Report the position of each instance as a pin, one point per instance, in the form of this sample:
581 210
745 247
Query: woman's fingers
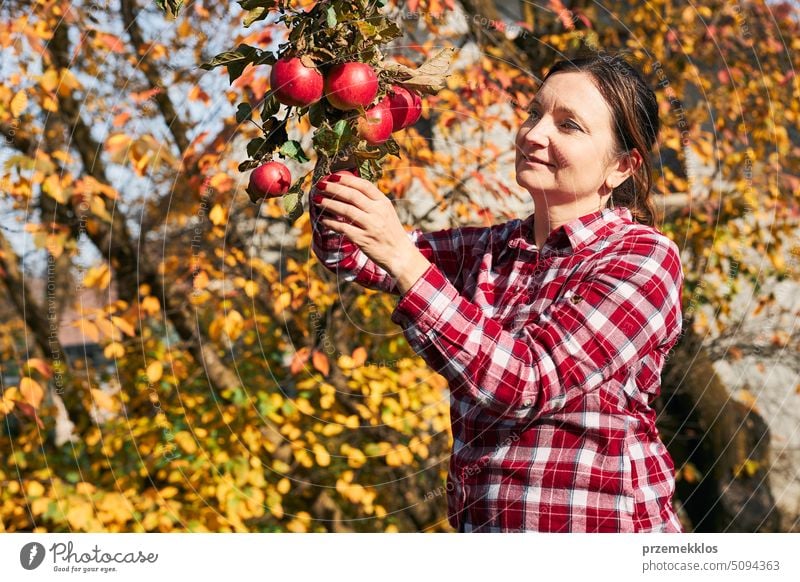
365 187
342 209
350 230
346 194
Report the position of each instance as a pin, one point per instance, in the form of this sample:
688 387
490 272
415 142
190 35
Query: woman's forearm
407 270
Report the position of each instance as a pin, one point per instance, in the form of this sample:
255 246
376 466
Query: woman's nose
536 135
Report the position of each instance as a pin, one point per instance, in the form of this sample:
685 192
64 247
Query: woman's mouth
535 161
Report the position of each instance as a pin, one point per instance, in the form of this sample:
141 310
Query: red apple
406 107
348 171
294 83
351 85
269 180
376 125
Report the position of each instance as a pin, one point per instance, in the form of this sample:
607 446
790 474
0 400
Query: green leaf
253 4
235 60
366 170
331 16
390 147
254 146
266 58
243 52
390 32
331 140
248 165
243 112
366 29
293 204
235 71
316 113
342 128
293 149
270 108
170 7
276 134
257 9
255 15
221 59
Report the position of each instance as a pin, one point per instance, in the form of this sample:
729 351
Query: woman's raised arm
453 251
626 308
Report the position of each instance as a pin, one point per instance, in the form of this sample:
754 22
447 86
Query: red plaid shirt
553 358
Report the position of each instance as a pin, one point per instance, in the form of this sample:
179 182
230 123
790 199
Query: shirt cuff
426 301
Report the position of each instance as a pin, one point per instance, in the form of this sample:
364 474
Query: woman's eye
569 124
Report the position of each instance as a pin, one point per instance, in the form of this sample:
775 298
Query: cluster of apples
346 86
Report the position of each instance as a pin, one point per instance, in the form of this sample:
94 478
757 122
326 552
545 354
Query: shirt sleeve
627 306
453 251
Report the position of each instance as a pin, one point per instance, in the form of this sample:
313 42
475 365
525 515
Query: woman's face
564 151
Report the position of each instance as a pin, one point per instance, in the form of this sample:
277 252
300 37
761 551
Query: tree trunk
44 331
725 441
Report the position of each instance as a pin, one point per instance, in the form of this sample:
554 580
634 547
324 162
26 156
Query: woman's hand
374 226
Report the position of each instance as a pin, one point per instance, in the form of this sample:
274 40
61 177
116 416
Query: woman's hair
634 115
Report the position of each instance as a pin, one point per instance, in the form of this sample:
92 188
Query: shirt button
576 298
527 403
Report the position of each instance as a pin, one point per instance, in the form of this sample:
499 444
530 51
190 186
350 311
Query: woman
551 331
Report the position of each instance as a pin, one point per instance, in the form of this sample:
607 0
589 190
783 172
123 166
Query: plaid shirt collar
572 236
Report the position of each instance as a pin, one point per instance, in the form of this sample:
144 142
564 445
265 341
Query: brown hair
634 114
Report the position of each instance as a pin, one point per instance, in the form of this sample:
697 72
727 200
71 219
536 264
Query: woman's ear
623 168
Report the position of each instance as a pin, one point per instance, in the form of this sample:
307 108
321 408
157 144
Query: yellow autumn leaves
231 324
154 371
18 103
50 84
30 393
144 154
